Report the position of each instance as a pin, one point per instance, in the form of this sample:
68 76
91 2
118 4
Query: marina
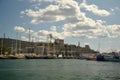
59 40
54 50
111 57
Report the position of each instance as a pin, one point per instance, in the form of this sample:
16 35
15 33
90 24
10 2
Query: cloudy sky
93 22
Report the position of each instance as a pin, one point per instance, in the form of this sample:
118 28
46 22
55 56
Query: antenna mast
29 35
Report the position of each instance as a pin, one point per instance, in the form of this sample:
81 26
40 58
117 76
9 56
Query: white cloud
37 36
112 10
24 38
114 30
53 28
22 12
97 29
86 43
29 31
19 29
43 33
63 10
32 1
91 29
94 9
53 31
77 23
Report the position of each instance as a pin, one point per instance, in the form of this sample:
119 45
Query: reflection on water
58 69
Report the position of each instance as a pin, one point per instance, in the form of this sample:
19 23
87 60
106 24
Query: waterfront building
39 50
57 48
29 50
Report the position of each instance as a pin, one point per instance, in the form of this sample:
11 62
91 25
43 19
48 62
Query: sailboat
16 55
2 56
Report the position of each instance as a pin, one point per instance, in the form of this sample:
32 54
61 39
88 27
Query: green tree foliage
5 50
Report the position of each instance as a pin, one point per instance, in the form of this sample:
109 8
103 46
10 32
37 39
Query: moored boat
39 57
3 57
114 57
100 57
17 56
91 57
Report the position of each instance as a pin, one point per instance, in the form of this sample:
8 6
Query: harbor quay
11 48
16 49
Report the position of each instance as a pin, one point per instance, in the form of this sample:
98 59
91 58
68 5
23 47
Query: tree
5 50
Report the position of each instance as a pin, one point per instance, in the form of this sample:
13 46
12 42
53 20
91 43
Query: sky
92 22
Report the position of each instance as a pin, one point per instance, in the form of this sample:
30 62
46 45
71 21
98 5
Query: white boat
112 57
3 57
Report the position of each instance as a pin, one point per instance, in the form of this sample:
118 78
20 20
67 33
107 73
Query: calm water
58 69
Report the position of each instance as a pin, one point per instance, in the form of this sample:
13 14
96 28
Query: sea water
58 69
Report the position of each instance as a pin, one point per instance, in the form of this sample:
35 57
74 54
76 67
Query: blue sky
90 22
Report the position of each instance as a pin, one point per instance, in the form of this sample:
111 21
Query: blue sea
58 69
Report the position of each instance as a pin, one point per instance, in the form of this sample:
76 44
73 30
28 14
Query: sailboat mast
99 47
16 42
19 43
4 35
29 42
29 35
1 45
12 47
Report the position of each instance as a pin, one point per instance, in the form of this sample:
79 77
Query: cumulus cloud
29 31
43 33
114 30
92 31
35 36
19 29
77 23
53 28
63 10
79 29
94 9
86 43
24 38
